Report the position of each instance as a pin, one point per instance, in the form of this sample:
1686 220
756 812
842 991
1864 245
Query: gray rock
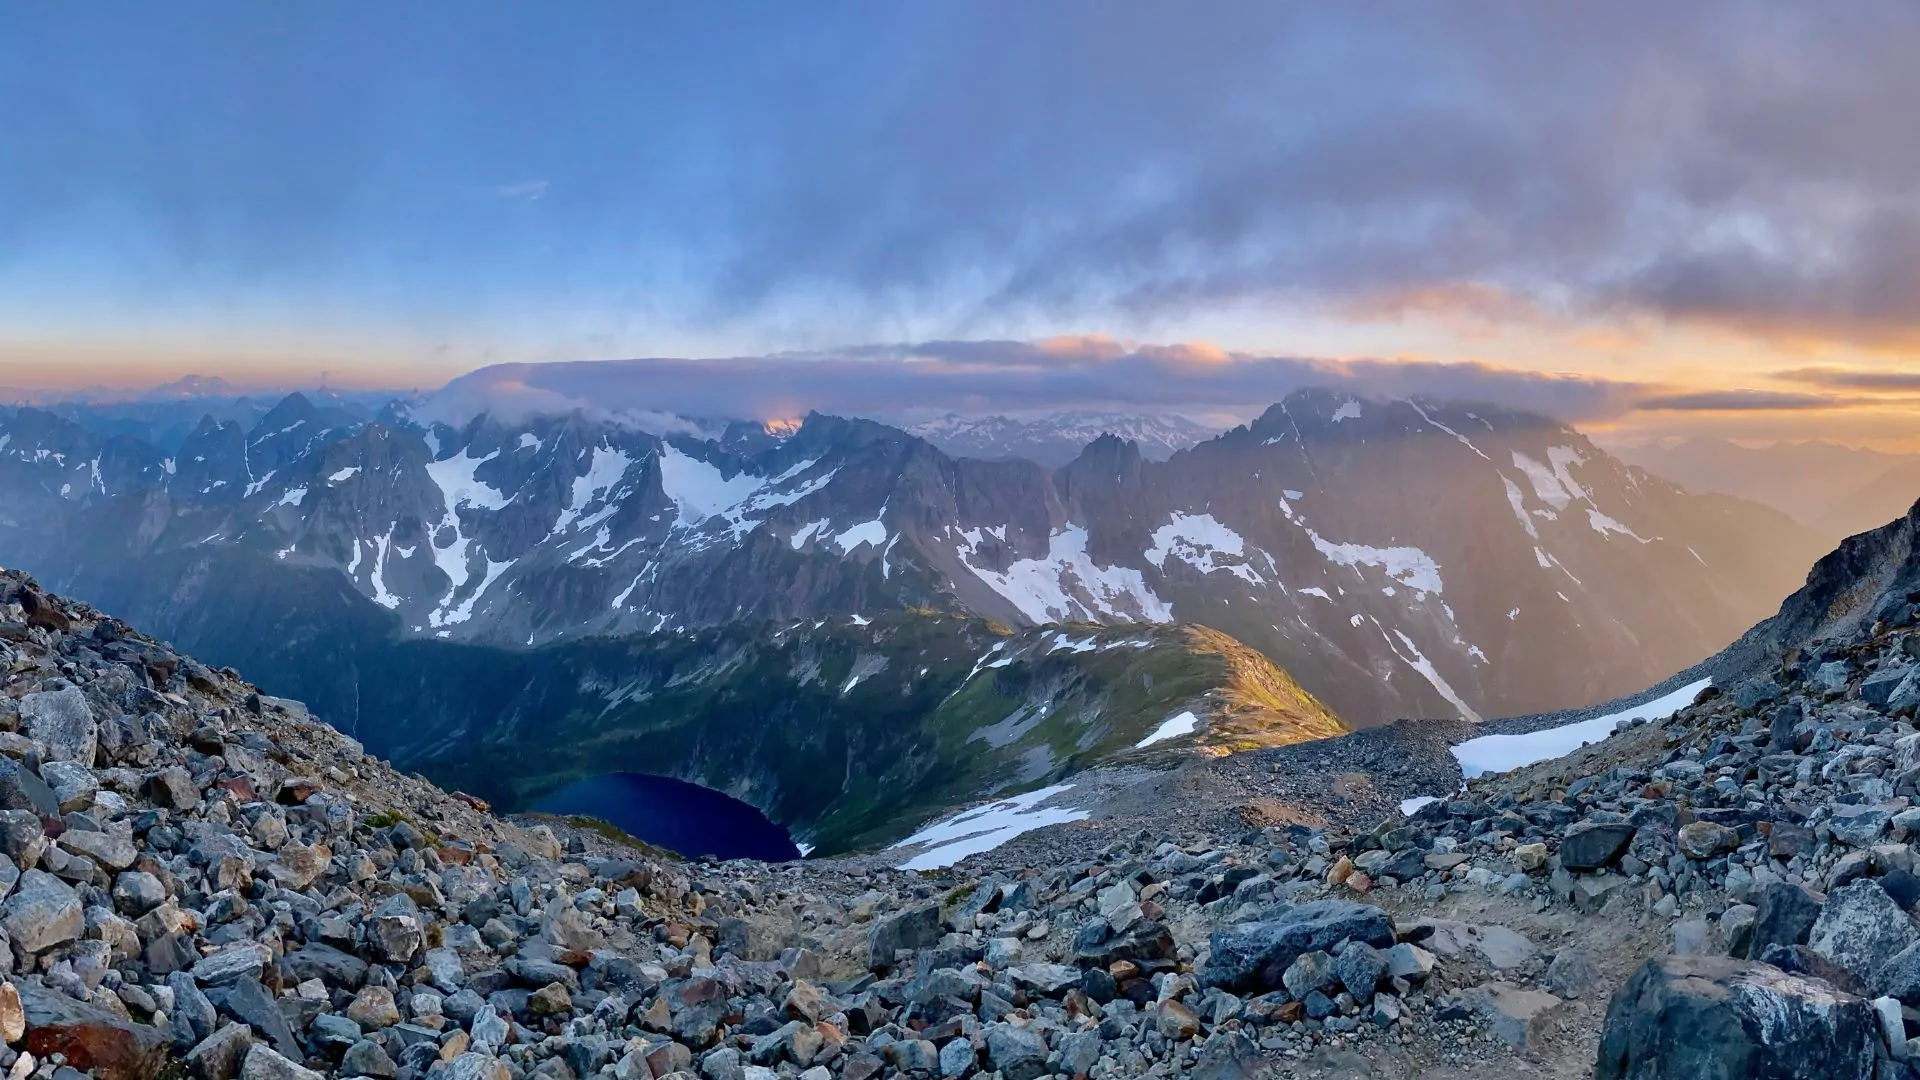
1360 968
1878 688
915 928
73 784
1016 1053
263 1063
113 850
1784 915
1573 973
1309 972
63 720
1241 957
957 1058
1517 1017
1736 928
219 1055
367 1058
1504 948
1409 962
1229 1056
136 892
21 789
42 912
228 965
1593 845
1860 928
1859 826
249 1002
1717 1018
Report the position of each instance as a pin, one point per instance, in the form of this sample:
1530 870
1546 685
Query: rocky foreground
200 879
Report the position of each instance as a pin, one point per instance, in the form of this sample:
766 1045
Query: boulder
1718 1018
1784 915
915 928
1228 1056
1706 839
1016 1053
42 912
1859 826
1860 928
1255 954
94 1039
1574 972
1593 845
64 722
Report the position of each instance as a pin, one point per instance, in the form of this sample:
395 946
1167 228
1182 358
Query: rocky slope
1402 558
199 878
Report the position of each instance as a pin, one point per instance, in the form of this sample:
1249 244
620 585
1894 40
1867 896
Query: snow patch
1171 728
1408 565
1348 410
984 828
1519 504
1603 525
1044 589
1546 485
344 474
294 496
1409 807
1425 667
1195 539
1502 753
867 532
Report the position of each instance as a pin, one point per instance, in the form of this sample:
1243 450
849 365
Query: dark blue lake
682 817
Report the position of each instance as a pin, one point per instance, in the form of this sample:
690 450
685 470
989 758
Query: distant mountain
1399 558
1834 490
1057 439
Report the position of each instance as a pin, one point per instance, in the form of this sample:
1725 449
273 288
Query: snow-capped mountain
1399 558
1057 439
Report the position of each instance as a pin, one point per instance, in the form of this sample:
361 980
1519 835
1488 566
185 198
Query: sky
1659 218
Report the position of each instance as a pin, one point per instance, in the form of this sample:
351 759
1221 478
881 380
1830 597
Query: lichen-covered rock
1860 928
1717 1018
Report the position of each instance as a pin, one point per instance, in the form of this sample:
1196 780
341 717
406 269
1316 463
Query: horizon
1102 197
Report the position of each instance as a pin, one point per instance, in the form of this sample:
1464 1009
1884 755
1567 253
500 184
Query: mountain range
1399 558
1057 439
1837 491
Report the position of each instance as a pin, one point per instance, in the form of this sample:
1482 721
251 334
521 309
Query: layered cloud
899 172
1081 373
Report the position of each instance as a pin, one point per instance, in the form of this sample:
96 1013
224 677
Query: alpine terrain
197 878
1398 558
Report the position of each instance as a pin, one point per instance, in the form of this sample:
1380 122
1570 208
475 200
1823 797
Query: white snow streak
984 828
1501 753
1171 728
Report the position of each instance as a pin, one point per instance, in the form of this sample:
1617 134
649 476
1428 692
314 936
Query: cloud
524 189
1743 401
909 171
1854 380
1737 165
981 377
